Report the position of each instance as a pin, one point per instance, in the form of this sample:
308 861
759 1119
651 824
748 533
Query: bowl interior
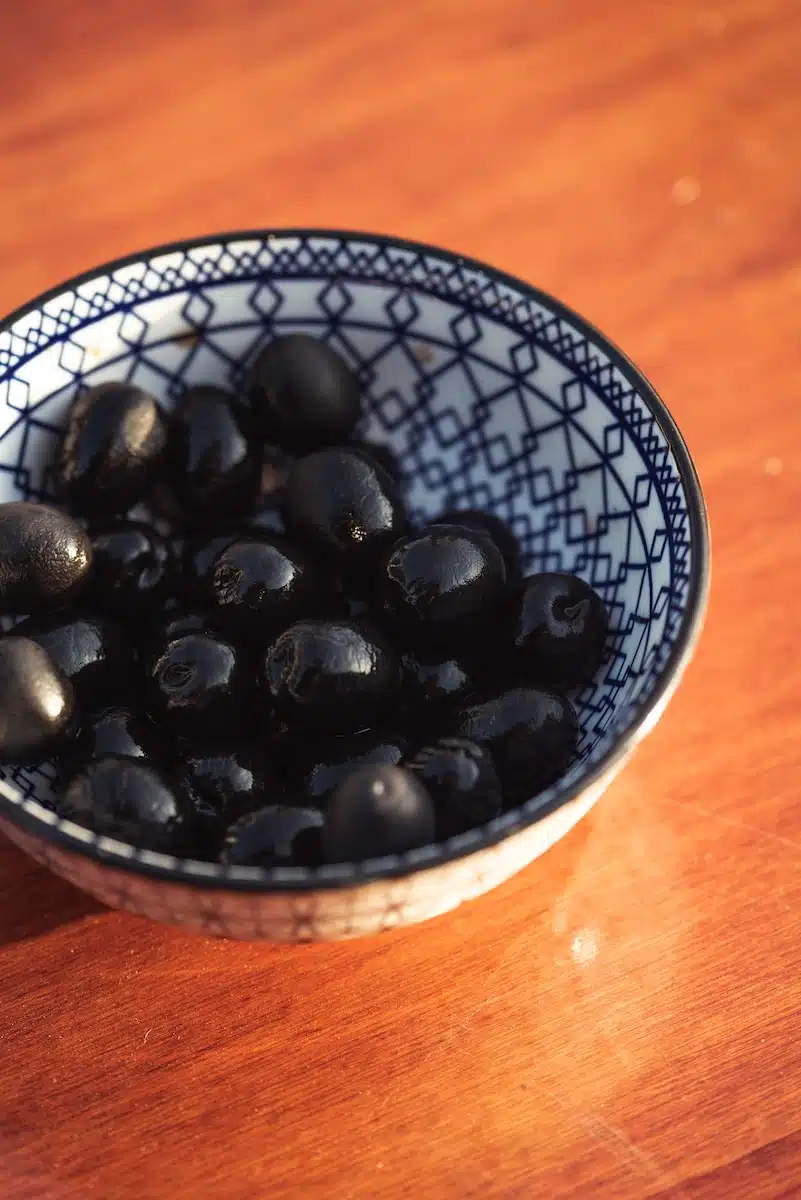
489 393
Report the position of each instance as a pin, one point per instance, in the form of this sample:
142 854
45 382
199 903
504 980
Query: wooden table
622 1019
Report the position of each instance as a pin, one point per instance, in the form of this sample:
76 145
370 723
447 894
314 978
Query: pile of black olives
236 647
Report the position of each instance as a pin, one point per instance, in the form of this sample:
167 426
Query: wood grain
621 1020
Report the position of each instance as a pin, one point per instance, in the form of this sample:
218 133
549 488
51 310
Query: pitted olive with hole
259 585
438 586
201 685
559 630
333 675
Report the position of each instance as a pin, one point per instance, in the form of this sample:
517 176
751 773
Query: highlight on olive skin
279 670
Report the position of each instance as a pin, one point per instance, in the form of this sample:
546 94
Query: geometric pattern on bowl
491 395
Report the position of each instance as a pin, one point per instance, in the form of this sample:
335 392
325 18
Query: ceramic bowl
492 395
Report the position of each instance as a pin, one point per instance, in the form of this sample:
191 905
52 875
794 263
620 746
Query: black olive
93 652
127 799
347 508
37 702
261 585
45 557
337 675
232 776
302 394
112 449
200 685
433 687
134 569
226 780
119 731
377 453
462 781
377 811
502 535
559 630
438 585
214 471
531 735
280 835
339 757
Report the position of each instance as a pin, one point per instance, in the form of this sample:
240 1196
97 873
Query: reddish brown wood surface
623 1018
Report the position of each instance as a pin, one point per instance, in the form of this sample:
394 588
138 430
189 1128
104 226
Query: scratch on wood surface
147 1035
734 823
619 1142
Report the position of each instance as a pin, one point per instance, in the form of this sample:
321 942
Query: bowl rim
35 820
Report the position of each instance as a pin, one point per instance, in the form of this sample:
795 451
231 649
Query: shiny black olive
339 757
437 586
381 454
301 393
127 799
559 630
261 585
37 702
45 557
531 735
337 675
134 569
501 533
376 811
225 780
112 449
233 776
214 471
461 779
94 653
280 835
347 508
200 685
121 732
433 687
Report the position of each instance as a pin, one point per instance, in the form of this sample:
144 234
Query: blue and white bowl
492 395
